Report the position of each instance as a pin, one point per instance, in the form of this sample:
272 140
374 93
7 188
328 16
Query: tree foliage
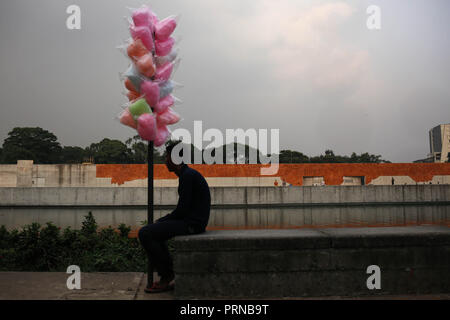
290 156
72 155
139 151
35 144
42 146
109 151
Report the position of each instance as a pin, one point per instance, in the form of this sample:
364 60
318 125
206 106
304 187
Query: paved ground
94 286
109 286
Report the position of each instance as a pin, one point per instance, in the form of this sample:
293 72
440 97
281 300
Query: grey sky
310 68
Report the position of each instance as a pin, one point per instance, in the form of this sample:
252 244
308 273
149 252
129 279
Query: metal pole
150 204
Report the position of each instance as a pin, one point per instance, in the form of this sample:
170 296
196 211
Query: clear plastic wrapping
164 103
127 119
164 47
159 61
147 127
165 27
133 76
138 108
168 117
151 92
144 17
148 79
144 34
136 49
165 72
162 134
145 65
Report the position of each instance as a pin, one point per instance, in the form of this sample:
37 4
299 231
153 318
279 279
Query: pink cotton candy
164 47
165 28
144 34
155 20
164 72
144 17
147 127
168 117
160 61
150 90
127 119
162 133
164 103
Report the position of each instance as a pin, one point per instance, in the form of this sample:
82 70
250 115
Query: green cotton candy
139 107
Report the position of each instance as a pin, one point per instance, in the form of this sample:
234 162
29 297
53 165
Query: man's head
171 166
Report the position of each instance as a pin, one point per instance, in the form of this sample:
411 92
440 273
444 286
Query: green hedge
36 248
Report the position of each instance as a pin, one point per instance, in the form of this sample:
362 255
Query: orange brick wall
291 173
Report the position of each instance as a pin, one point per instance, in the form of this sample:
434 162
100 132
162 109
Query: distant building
426 160
439 144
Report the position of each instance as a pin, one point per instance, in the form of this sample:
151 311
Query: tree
108 151
72 155
35 144
138 151
367 158
330 157
290 156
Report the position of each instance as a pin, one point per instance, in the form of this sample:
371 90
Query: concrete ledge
388 237
253 239
300 263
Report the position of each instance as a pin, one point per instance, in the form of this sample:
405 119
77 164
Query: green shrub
36 248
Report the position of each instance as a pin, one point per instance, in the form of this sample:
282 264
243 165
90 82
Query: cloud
299 43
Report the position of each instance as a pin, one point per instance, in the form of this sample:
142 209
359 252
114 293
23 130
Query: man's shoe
160 287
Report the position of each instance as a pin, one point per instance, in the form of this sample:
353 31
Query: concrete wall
312 263
8 175
235 207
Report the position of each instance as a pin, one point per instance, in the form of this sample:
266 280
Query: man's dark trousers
153 238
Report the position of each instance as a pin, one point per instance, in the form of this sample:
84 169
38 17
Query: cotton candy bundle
153 57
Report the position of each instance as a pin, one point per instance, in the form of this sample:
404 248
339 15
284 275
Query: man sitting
189 217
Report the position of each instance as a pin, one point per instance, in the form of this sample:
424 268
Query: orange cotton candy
136 49
146 66
133 95
129 85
